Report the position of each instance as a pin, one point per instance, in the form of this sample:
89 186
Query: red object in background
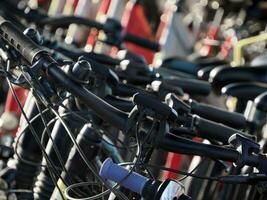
104 6
70 6
41 2
164 19
173 161
11 104
212 34
91 40
134 21
74 3
226 47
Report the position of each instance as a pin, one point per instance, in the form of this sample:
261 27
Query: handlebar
118 119
119 103
126 90
65 21
33 53
151 102
104 110
232 119
212 130
181 145
62 21
191 86
24 45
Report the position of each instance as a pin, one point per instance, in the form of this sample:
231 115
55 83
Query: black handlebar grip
30 50
181 145
149 101
211 130
121 104
126 90
190 86
154 46
104 110
24 45
64 21
232 119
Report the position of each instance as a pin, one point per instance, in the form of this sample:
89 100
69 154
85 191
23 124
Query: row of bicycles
118 99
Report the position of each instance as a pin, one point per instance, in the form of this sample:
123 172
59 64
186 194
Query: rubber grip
111 171
190 86
261 102
24 45
121 104
232 119
149 101
214 131
126 90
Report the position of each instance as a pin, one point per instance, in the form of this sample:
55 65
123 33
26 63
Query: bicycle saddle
244 91
261 102
222 75
190 67
204 73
